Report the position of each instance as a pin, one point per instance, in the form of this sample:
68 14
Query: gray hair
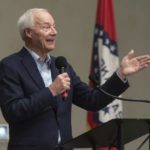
27 21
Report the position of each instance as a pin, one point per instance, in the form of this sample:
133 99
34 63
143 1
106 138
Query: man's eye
46 27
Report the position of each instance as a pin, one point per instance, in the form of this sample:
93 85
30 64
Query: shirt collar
37 58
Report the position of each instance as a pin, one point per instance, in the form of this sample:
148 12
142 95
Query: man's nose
53 31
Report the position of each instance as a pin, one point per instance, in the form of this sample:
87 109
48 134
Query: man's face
43 34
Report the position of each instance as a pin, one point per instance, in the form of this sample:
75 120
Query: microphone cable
96 83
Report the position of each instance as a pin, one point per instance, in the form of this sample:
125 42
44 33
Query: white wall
75 23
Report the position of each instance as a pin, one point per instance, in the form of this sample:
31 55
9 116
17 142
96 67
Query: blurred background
75 21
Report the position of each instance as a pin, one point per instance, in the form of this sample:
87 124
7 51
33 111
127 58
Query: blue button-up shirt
43 67
45 71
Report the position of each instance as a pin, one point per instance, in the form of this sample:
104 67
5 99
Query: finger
67 80
130 54
144 60
142 63
147 57
142 67
65 75
66 86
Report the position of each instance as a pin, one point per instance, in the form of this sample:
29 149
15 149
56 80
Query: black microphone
61 64
96 83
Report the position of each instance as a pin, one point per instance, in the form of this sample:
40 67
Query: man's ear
28 33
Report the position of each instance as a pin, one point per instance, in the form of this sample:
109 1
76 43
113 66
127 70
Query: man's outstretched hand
131 65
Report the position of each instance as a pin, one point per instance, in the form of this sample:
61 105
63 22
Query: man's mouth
50 40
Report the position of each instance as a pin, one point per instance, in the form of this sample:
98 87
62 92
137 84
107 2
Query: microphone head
60 62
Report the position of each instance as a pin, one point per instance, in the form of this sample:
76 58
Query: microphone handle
61 70
64 95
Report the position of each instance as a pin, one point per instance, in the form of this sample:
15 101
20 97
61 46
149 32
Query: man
31 87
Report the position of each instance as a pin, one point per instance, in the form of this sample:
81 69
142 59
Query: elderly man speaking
31 87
